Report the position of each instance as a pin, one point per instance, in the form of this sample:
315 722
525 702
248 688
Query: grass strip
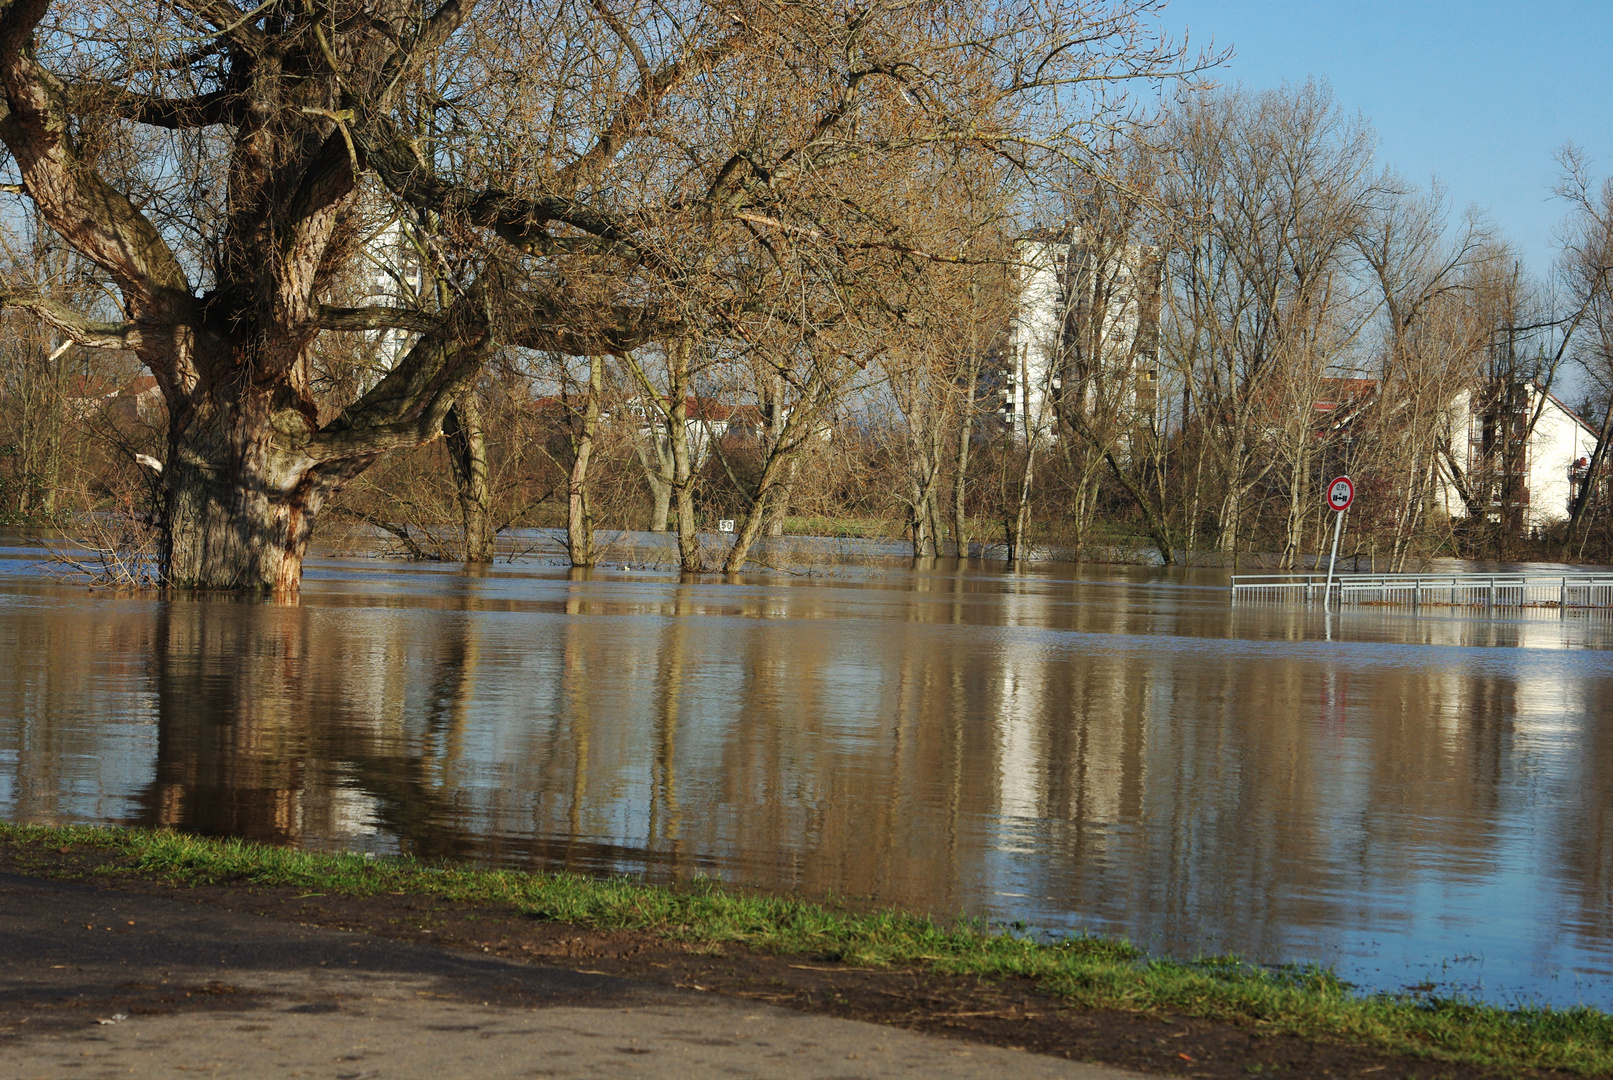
1085 971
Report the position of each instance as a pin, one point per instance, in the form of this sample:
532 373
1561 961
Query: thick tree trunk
247 474
467 450
660 506
671 473
238 511
923 475
770 488
786 451
1022 504
922 516
750 527
960 481
918 526
779 509
1154 520
932 496
1022 508
778 506
689 556
221 533
1082 507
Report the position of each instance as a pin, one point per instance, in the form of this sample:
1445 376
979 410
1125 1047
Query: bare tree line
674 262
587 179
1254 304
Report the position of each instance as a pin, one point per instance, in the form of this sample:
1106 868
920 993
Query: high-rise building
1082 338
390 273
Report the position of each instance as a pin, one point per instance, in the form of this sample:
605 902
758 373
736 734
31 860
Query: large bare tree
598 175
1267 192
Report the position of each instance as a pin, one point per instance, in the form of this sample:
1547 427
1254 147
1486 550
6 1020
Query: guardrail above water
1527 589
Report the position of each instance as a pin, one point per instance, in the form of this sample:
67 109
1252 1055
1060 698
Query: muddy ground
1008 1014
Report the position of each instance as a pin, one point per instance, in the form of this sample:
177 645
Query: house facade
1035 336
139 400
1497 463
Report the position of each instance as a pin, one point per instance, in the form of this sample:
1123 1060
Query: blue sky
1479 94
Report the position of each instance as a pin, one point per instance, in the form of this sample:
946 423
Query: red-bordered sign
1340 494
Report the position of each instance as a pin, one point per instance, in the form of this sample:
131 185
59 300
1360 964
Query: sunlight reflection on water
1422 798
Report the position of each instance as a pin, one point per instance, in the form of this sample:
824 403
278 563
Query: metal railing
1529 589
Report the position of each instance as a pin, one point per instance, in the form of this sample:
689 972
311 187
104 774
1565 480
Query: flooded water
1412 799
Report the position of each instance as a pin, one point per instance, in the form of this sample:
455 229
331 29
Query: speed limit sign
1340 494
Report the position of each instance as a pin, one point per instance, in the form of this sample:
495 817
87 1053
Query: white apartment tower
1084 323
389 274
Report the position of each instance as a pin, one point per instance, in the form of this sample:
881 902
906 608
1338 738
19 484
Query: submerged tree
600 175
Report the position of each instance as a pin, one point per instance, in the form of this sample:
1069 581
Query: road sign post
1340 494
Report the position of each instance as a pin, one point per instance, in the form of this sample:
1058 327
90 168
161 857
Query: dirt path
248 981
111 983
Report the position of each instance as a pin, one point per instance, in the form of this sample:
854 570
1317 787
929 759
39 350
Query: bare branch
81 331
378 317
638 107
175 114
230 22
96 218
407 408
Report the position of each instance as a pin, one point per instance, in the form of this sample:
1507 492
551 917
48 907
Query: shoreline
1087 997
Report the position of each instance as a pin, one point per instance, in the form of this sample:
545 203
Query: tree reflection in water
1131 758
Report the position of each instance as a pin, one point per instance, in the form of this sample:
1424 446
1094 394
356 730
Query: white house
1488 443
706 421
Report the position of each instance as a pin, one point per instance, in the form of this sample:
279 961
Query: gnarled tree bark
248 466
579 516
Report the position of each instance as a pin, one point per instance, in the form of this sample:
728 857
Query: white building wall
390 272
1460 418
1034 335
1559 439
1042 312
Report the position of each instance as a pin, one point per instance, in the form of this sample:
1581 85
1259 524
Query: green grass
1085 971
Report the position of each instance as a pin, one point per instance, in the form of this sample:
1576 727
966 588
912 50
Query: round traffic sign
1340 494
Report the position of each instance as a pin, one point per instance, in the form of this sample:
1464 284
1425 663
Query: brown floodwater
1409 798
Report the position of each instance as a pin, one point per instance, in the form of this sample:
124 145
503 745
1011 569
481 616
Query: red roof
1338 392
